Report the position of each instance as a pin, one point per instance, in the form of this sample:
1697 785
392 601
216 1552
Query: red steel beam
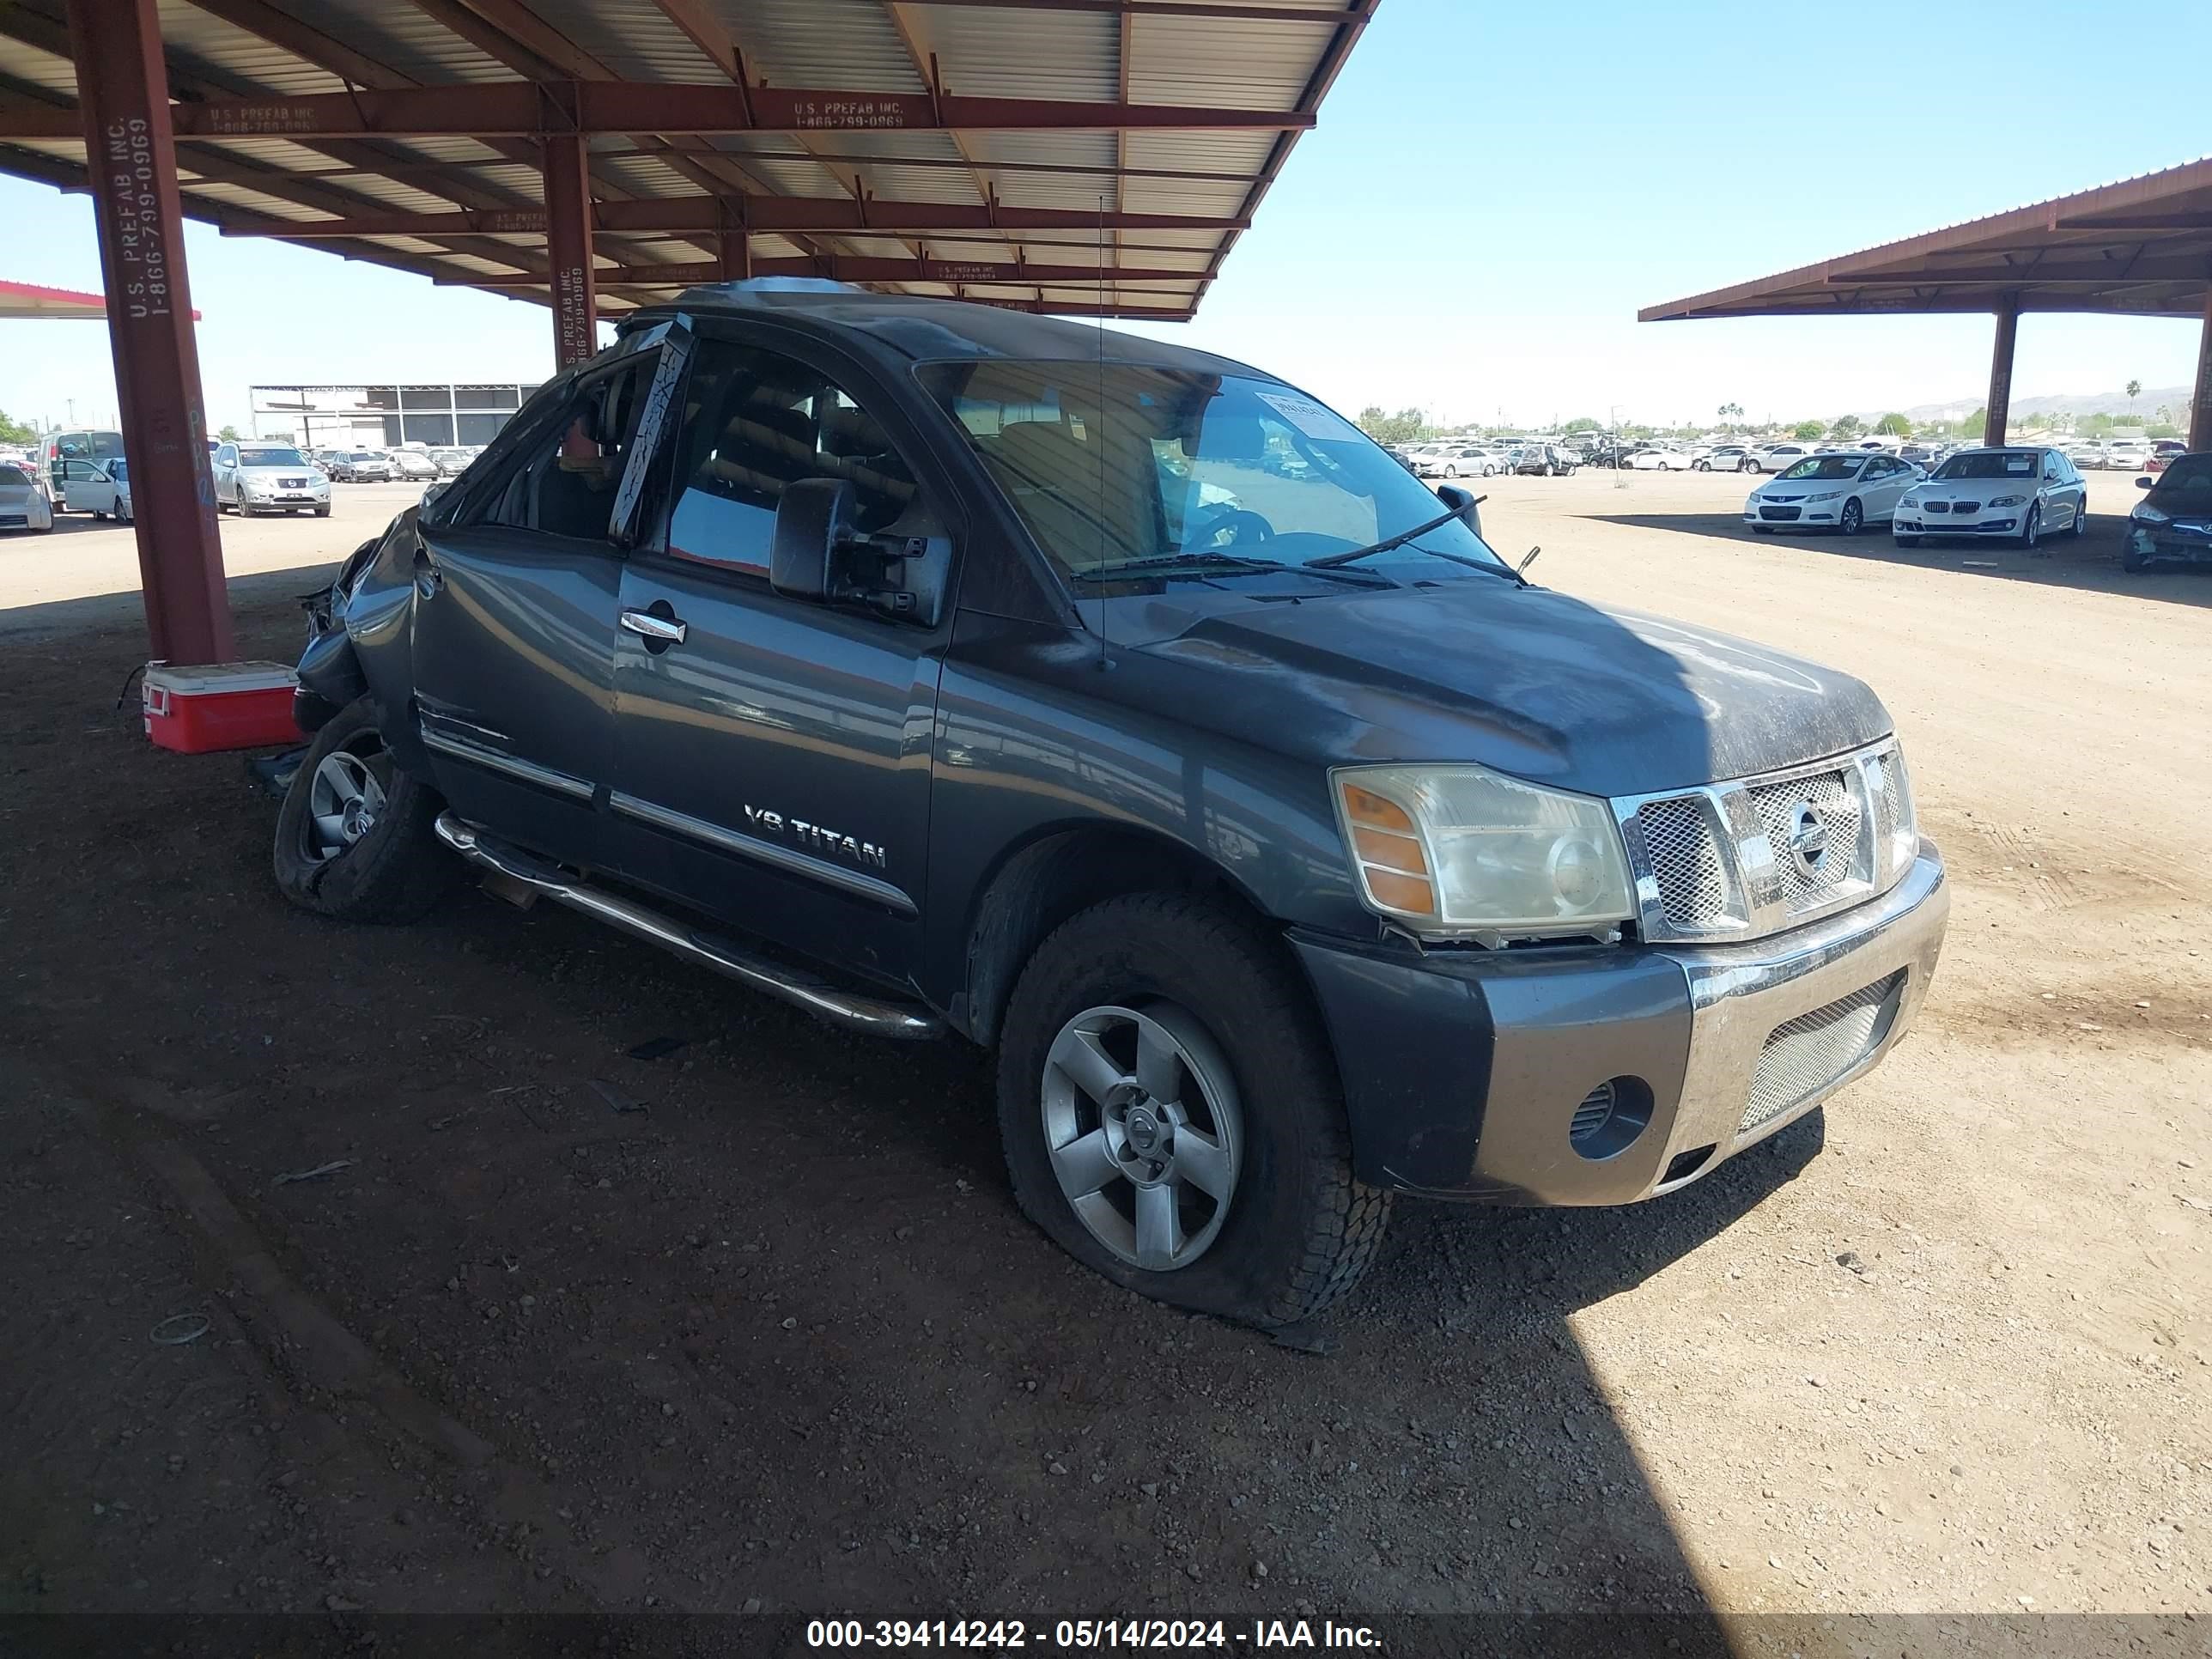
1997 413
569 235
846 269
754 213
122 92
521 109
2200 406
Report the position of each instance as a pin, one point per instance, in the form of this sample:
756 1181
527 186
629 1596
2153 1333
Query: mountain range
2144 404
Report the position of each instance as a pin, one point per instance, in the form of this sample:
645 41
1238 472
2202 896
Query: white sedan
2019 495
1652 458
23 503
1846 491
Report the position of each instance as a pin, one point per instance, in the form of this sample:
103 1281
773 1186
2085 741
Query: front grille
1966 507
1781 513
1779 806
1684 850
1719 861
1804 1056
1938 506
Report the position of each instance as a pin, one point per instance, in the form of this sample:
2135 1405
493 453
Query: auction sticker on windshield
1310 417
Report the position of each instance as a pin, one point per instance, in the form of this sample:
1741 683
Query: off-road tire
1301 1228
397 871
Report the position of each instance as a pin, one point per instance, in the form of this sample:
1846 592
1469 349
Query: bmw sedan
2019 495
1846 491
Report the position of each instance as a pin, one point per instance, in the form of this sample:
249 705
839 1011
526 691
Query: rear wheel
1748 466
1172 1117
354 837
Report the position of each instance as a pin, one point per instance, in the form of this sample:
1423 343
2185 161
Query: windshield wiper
1203 558
1389 543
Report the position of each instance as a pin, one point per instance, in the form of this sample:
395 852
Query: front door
86 487
774 753
515 606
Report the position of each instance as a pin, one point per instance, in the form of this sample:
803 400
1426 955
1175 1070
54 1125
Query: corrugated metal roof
1271 56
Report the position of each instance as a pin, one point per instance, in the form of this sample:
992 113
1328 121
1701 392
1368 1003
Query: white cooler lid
216 678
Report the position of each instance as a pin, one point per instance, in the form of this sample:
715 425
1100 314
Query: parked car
414 466
1652 457
1456 461
2172 525
1780 457
1546 461
451 462
2087 455
1726 458
1846 491
23 503
2022 494
269 477
100 488
2127 454
1923 456
364 466
1247 966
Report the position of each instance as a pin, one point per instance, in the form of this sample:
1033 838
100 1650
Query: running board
875 1016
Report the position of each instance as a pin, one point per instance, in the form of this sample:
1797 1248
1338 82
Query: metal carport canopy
1090 156
2141 248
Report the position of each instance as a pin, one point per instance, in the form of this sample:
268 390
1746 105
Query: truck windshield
1118 465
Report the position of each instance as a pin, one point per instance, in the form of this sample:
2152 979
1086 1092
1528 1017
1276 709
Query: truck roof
921 329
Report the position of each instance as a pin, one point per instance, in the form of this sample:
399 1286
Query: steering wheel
1238 519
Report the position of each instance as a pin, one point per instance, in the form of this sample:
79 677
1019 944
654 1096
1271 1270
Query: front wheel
322 513
1701 466
1852 519
1452 472
2081 525
1748 466
354 837
2032 532
1172 1117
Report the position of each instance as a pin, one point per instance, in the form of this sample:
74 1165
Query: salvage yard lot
754 1326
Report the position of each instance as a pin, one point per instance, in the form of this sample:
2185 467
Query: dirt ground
753 1328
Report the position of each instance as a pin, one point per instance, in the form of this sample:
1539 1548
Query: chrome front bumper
1462 1073
1740 996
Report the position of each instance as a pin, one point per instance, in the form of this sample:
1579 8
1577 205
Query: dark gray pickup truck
944 669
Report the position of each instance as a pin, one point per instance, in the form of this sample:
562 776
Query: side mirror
813 519
2145 484
1463 502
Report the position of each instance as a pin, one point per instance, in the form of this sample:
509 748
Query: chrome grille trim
1714 862
1808 1056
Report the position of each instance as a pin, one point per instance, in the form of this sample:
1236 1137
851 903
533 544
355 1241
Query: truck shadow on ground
2090 565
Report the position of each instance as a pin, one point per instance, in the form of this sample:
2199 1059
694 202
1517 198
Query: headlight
2007 500
1910 500
1453 851
1903 845
1825 495
2146 514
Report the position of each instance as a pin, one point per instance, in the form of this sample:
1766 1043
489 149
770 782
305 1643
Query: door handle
656 630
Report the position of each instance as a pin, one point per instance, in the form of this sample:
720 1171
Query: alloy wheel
1853 517
345 796
1143 1130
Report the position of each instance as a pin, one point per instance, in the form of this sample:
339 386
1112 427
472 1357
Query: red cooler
196 708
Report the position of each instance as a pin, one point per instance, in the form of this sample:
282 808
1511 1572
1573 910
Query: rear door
516 590
773 760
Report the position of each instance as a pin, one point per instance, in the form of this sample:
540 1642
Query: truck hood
1534 682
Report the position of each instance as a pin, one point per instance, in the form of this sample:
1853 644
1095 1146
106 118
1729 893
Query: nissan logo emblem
1808 840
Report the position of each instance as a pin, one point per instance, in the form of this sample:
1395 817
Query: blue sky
1492 193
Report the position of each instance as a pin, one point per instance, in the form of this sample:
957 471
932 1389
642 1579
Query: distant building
381 416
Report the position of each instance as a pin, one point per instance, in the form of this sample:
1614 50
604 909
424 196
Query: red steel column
1998 411
2200 406
737 250
568 231
123 90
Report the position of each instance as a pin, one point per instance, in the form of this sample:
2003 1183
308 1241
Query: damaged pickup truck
941 669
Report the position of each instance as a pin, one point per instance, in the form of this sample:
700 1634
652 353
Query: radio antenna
1099 413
